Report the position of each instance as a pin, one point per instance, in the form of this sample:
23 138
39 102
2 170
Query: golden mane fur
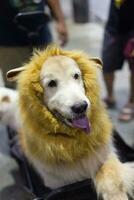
43 136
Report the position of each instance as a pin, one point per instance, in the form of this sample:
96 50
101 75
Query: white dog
9 108
79 145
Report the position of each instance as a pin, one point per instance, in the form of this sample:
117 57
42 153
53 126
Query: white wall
98 8
67 7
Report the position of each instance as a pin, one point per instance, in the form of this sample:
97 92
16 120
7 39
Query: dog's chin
76 121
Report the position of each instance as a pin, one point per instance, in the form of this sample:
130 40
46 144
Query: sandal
108 103
127 113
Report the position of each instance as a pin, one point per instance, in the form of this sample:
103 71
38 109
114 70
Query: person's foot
109 102
127 113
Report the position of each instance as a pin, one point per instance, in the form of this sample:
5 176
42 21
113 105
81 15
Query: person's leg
113 58
109 82
12 57
131 99
127 113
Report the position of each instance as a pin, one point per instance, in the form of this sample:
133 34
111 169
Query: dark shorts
113 52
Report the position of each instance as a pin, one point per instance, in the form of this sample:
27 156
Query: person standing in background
16 42
118 43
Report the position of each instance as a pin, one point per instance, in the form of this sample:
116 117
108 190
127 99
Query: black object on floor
125 152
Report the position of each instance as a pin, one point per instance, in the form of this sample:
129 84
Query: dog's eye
76 76
52 83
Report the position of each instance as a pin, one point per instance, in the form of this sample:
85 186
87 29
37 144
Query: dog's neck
59 142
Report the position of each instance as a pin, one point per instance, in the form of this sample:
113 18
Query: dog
9 108
65 131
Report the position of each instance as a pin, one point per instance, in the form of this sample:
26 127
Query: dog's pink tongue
82 123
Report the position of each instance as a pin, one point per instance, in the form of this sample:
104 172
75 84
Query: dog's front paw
110 196
113 180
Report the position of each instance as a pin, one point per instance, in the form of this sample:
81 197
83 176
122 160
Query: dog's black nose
79 107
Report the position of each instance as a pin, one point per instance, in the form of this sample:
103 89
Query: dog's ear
97 61
13 73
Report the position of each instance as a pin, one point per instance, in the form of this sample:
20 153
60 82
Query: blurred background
85 22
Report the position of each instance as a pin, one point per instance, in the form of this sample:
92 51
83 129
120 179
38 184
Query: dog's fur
60 153
9 108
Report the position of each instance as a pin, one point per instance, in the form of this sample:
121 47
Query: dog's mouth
81 122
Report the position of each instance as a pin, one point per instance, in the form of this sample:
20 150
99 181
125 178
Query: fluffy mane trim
44 136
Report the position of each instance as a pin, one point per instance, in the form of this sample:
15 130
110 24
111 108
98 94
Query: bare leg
131 100
127 113
109 81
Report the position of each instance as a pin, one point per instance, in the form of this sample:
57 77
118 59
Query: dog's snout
79 107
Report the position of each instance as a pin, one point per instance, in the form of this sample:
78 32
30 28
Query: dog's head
65 82
64 95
